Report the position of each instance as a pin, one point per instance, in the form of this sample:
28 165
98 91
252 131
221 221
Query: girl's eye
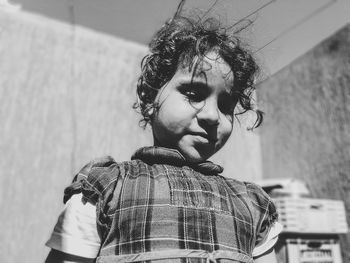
193 96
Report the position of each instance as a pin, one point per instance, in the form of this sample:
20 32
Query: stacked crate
311 228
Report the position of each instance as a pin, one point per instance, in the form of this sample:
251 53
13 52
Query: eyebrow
195 84
198 84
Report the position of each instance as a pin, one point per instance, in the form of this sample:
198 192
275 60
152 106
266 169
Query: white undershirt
75 232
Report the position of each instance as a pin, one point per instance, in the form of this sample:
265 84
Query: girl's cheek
227 119
228 126
230 119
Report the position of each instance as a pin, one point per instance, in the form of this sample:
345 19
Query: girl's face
195 114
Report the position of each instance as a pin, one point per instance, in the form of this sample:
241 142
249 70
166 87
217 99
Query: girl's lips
205 136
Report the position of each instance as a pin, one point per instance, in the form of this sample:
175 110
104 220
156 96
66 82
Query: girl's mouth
205 136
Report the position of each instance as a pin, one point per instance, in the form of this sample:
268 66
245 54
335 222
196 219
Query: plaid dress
159 208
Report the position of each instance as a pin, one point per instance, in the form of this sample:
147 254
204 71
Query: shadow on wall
307 128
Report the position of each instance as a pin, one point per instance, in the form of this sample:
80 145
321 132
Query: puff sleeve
93 179
96 181
81 225
266 216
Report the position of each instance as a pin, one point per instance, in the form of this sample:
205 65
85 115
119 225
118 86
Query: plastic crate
308 251
309 215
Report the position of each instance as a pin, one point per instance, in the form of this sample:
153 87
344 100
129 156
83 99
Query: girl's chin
194 155
194 151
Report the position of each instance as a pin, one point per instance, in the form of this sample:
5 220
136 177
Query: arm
270 228
56 256
268 257
75 237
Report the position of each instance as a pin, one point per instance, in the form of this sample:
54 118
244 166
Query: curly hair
179 42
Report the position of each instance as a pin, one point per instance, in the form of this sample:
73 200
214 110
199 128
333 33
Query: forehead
211 70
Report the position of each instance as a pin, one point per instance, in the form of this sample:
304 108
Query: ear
150 111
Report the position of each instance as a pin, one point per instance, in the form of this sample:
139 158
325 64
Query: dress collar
160 155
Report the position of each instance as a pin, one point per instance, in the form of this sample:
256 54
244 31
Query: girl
169 204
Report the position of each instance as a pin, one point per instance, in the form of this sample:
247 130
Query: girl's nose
209 113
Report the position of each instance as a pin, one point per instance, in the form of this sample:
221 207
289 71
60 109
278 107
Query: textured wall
66 97
307 130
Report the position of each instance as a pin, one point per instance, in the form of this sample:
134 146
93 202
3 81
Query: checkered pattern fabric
149 209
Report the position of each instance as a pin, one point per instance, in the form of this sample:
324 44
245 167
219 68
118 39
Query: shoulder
97 166
93 178
260 203
257 194
100 173
261 199
251 190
